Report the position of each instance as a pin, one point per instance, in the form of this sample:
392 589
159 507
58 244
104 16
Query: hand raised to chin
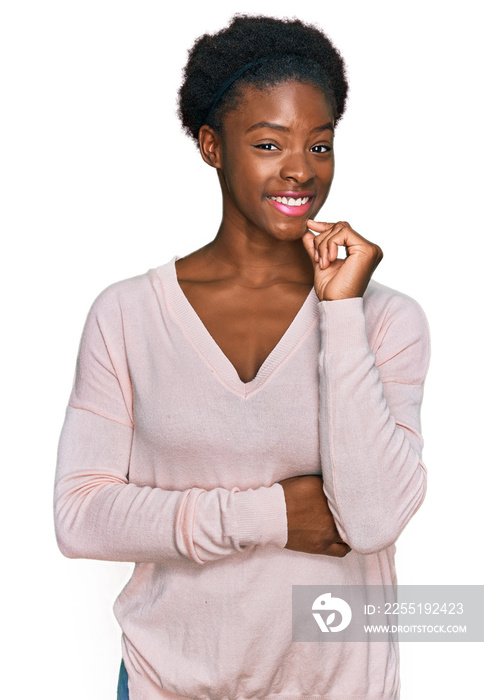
335 278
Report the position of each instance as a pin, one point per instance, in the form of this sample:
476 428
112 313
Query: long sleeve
99 514
370 400
169 460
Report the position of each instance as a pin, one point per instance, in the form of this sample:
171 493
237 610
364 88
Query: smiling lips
292 203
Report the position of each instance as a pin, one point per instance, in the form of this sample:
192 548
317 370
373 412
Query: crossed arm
372 476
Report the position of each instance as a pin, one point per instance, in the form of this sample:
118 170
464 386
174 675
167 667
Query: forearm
370 442
100 515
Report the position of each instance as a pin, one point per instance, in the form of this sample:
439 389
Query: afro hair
261 51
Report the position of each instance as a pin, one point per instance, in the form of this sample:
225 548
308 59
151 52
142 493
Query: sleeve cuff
343 325
261 516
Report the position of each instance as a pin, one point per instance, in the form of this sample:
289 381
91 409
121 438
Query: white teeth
291 202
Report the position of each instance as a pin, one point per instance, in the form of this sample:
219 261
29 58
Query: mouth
291 204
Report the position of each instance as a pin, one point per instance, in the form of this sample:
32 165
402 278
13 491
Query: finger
308 240
332 235
323 231
316 249
324 235
327 250
338 549
330 229
332 249
319 243
343 236
319 226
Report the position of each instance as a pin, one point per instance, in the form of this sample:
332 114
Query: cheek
247 180
325 171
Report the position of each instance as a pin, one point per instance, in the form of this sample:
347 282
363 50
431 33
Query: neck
253 255
259 259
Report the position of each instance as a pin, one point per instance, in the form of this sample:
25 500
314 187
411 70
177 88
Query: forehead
291 103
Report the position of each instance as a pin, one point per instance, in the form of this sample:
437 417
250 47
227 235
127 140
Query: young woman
247 418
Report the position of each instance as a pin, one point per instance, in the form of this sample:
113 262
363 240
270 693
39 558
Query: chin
293 230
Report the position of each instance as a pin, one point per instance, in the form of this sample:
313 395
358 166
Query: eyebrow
279 127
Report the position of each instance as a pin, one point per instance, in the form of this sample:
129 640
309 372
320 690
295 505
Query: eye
321 148
266 146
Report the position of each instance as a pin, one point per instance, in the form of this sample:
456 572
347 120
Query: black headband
230 81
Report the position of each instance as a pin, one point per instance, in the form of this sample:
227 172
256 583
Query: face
275 159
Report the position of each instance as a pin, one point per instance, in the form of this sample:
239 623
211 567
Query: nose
297 167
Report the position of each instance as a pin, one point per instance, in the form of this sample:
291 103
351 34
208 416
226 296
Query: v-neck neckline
200 338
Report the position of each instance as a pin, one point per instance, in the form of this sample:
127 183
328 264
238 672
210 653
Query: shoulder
395 323
380 299
383 305
128 296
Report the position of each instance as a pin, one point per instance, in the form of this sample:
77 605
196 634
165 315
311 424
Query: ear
210 146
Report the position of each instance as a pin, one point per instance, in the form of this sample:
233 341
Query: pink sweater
169 460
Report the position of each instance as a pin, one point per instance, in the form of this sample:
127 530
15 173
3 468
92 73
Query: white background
98 183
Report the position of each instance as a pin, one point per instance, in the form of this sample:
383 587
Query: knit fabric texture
169 460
